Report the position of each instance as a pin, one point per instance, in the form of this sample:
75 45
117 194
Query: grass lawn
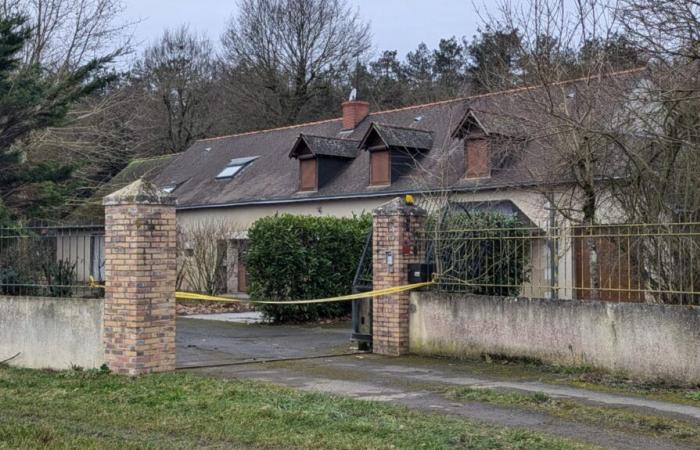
581 377
89 409
623 419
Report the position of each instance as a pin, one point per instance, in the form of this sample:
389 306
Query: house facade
444 151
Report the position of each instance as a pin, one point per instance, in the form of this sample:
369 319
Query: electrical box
418 273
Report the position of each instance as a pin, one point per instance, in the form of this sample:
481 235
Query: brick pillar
140 252
395 228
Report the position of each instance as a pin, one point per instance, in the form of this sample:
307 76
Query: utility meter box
418 273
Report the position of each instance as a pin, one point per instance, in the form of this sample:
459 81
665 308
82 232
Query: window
235 166
229 171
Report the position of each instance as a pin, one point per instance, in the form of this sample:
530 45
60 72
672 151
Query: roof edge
363 195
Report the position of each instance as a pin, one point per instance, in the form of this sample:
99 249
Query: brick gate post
140 253
396 226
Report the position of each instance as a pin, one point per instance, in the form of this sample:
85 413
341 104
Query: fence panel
652 263
54 261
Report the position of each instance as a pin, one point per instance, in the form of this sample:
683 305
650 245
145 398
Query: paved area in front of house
206 341
249 317
409 381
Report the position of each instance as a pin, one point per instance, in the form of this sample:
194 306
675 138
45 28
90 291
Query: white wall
50 332
648 341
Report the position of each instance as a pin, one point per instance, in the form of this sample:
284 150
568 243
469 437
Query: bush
302 257
485 253
201 256
60 276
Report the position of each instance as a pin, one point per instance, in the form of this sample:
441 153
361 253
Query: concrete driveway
203 342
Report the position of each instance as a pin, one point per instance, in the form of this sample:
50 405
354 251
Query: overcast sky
396 24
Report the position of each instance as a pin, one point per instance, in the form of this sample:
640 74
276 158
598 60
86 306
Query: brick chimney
477 156
354 111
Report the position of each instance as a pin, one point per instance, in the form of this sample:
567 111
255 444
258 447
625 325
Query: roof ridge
402 127
326 137
266 130
151 158
436 103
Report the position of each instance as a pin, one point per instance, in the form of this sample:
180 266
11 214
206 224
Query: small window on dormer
234 166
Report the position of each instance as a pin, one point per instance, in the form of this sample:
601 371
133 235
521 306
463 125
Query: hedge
488 249
301 257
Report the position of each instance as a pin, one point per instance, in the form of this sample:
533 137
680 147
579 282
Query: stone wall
644 340
50 332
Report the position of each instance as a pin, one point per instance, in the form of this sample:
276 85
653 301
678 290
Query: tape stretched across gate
340 298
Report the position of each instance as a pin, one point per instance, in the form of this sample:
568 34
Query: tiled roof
402 137
326 146
273 177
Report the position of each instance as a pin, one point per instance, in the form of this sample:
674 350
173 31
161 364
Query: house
477 151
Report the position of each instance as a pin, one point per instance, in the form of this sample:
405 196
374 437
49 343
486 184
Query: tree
660 183
494 59
67 34
389 81
278 52
449 67
30 100
578 126
419 74
177 76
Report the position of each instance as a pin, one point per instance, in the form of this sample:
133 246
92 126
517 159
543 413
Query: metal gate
362 309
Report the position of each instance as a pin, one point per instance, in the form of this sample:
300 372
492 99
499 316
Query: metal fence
55 261
651 263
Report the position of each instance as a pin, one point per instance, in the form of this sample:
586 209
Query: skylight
235 166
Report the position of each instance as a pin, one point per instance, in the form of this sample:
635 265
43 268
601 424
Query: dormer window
485 149
234 167
321 159
393 151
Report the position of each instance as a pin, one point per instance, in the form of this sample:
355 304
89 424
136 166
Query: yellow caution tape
92 283
340 298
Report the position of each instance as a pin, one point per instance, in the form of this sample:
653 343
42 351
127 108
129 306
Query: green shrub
60 276
302 257
486 253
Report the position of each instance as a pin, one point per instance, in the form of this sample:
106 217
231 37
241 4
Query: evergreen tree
32 100
389 80
448 67
419 73
493 59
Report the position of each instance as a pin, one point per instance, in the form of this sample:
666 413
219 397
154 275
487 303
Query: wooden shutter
380 165
307 170
477 154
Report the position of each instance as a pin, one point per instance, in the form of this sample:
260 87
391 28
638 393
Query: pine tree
32 100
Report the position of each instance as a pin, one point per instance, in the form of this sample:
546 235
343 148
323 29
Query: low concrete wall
51 332
647 341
